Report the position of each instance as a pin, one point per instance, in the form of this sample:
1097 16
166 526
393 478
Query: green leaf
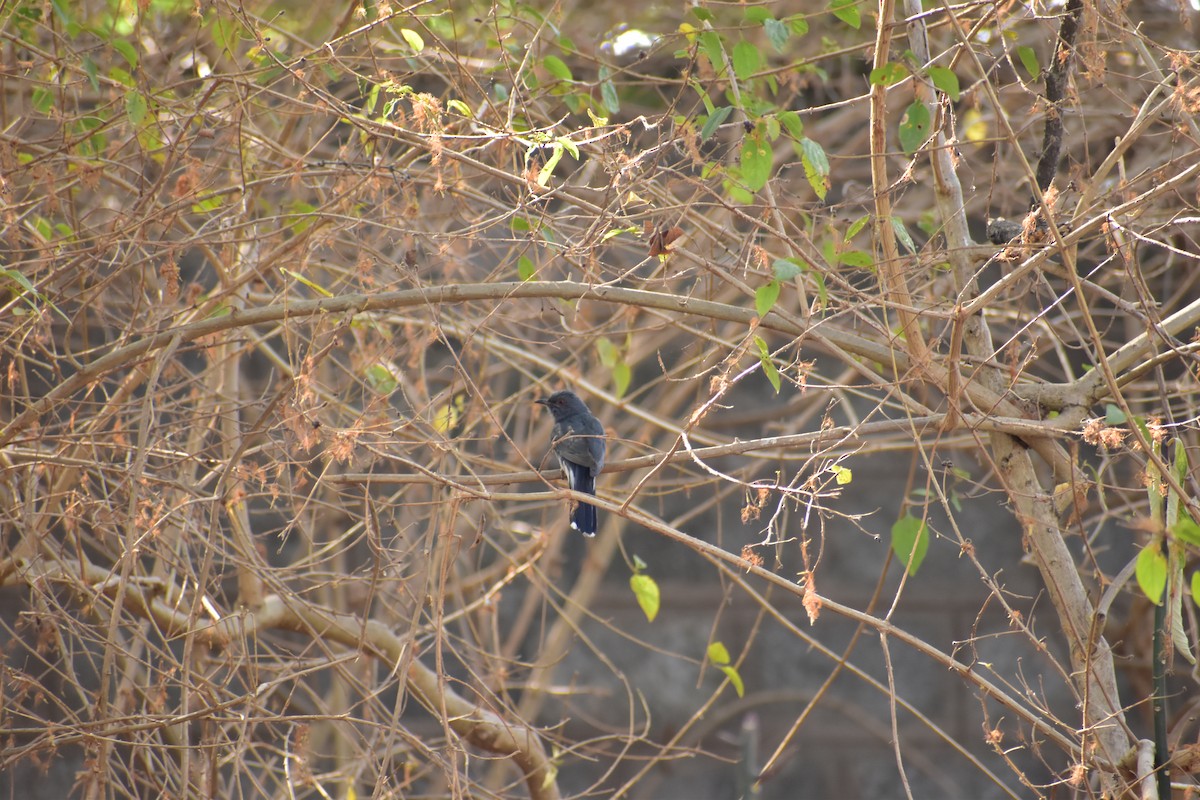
816 166
1181 461
914 127
718 654
889 74
1113 415
902 235
746 60
910 542
799 25
787 269
608 91
525 268
1029 61
611 232
43 99
127 51
756 160
645 589
1196 587
622 375
844 475
714 121
381 379
822 290
555 66
847 12
711 43
135 107
856 226
737 193
768 366
19 279
857 258
777 33
91 70
1186 530
756 14
413 39
946 81
122 77
1152 571
795 126
765 297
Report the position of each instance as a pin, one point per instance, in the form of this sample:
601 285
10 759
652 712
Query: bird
578 441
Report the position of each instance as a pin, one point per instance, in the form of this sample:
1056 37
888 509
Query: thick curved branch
482 728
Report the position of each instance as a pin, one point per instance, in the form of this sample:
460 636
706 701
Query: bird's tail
583 517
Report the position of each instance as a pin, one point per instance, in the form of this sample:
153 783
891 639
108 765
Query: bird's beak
541 401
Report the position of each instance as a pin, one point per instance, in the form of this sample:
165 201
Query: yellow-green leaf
608 352
847 12
645 589
974 128
890 73
556 154
127 51
381 378
306 282
816 166
622 375
569 146
556 67
856 258
135 106
718 654
735 679
1186 529
413 39
525 268
448 419
769 368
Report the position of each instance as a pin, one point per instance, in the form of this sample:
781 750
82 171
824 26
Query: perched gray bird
578 441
